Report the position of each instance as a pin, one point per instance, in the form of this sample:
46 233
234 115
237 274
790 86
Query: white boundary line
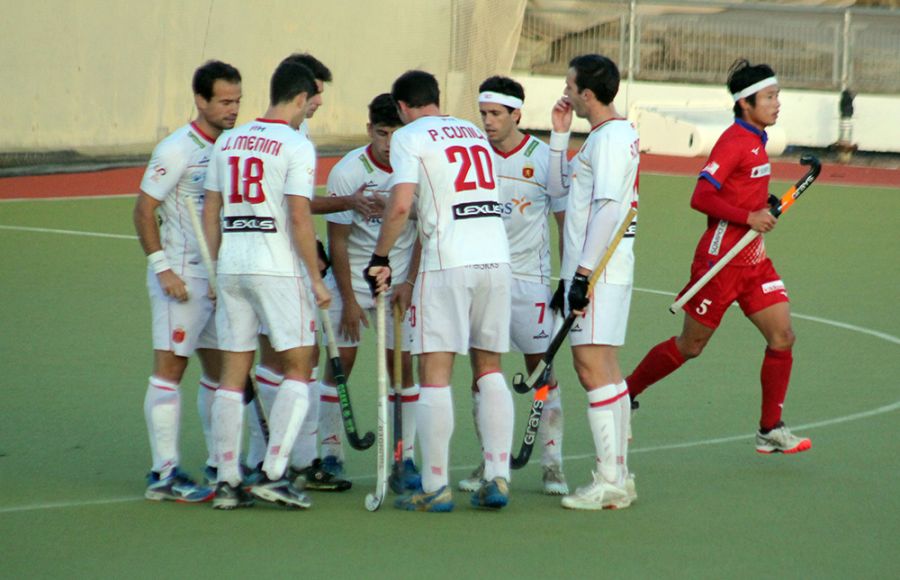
689 444
69 197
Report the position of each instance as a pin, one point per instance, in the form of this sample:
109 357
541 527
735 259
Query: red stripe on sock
329 399
483 374
409 398
207 386
610 400
266 381
433 386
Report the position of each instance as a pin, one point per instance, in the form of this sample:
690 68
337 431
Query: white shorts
264 330
461 308
281 303
367 303
605 318
182 327
532 320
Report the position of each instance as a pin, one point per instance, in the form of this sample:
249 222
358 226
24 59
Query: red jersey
738 167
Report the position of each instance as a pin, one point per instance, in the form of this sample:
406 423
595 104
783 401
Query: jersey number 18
246 185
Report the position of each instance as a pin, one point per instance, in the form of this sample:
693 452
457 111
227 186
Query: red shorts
753 287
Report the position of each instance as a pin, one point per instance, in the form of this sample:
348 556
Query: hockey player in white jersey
183 318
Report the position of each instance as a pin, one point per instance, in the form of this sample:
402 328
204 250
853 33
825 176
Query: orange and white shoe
781 440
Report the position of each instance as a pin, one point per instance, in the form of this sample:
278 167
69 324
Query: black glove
578 298
323 257
376 261
558 302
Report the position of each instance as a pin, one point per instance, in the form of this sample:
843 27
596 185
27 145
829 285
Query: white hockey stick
374 500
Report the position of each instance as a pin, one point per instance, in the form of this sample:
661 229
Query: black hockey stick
542 370
251 395
397 468
340 381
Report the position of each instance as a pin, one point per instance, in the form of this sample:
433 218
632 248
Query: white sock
495 421
434 420
162 411
305 449
551 429
409 398
287 416
331 426
602 419
623 418
227 424
267 382
205 395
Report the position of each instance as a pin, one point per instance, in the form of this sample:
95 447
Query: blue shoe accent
177 486
333 465
420 501
405 477
493 494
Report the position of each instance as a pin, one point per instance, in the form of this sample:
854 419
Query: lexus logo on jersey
477 209
528 172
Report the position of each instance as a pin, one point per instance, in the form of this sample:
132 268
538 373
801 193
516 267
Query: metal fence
810 47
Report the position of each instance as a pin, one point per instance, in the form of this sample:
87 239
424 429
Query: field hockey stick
251 392
541 372
520 460
787 200
340 381
374 500
397 469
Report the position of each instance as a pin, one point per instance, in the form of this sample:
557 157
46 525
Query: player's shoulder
184 140
355 161
535 148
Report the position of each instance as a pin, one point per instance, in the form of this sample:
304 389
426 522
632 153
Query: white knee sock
551 429
305 449
434 427
495 421
287 416
205 395
623 419
227 425
162 411
331 426
602 403
408 399
267 382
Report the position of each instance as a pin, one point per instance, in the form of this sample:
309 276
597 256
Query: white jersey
354 170
457 199
254 167
526 206
177 169
606 167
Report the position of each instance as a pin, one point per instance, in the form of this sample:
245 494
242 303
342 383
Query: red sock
662 360
775 375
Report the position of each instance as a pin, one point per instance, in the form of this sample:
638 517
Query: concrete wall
808 118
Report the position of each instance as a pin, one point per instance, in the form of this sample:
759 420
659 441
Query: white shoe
598 495
474 481
630 489
781 440
554 480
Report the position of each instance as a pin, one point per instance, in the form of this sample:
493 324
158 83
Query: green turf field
73 450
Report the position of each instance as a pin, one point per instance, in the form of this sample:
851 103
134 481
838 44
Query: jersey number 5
475 155
246 184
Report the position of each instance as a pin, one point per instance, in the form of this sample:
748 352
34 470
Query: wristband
413 284
158 262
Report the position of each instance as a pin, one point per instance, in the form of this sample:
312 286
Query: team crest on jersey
178 335
711 168
761 170
158 173
528 172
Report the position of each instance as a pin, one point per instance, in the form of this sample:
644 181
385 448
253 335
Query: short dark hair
289 80
416 88
319 70
383 111
207 75
741 75
504 86
597 73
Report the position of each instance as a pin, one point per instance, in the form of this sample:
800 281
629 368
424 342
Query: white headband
501 99
754 88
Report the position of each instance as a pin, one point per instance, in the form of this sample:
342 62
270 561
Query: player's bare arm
212 209
761 220
561 115
396 214
148 233
351 312
367 206
402 293
305 243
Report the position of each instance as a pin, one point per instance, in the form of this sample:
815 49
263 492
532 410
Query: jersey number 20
246 183
475 155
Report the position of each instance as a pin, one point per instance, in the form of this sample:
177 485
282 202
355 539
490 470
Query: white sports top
254 167
355 169
177 169
457 200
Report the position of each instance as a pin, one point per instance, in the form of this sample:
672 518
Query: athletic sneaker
253 475
178 486
474 481
493 494
317 478
333 465
405 477
420 501
598 495
781 440
554 480
282 492
229 498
